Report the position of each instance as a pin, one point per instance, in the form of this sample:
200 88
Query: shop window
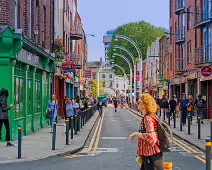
189 52
111 76
103 76
29 99
19 98
37 103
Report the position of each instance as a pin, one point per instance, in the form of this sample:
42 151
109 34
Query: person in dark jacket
4 119
183 107
199 105
100 107
172 104
164 105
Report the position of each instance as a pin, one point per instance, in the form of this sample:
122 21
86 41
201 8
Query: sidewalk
193 137
38 145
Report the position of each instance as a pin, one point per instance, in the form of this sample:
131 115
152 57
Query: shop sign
175 81
88 74
206 71
191 76
32 58
160 78
203 78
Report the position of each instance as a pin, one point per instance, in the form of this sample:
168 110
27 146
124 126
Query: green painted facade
25 70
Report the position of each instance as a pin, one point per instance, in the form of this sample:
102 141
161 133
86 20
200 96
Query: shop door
29 107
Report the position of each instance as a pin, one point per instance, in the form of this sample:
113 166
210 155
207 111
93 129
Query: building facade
26 46
190 49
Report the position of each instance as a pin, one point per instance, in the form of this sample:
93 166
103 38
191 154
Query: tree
143 33
95 87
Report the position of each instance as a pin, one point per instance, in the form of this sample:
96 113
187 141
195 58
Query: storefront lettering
31 57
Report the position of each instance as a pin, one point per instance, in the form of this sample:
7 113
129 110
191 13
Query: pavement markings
95 132
201 159
72 156
188 147
119 138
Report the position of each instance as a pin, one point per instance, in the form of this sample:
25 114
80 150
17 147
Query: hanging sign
206 71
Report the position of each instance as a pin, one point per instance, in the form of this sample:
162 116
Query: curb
54 155
175 134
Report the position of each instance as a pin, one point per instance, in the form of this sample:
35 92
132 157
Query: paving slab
38 145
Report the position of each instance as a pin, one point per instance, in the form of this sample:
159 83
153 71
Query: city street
108 148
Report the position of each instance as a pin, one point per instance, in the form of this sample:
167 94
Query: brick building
190 48
26 43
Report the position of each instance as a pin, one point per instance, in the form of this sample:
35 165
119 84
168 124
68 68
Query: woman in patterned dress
148 140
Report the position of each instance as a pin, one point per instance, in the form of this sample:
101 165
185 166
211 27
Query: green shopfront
26 72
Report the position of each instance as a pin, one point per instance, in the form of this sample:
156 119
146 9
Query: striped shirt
149 145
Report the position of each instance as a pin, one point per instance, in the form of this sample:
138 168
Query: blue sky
98 16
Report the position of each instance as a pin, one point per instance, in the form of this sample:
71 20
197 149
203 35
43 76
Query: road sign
206 71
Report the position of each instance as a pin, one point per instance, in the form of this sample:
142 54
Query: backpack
165 136
200 103
100 103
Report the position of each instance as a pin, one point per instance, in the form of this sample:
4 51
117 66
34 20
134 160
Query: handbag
49 114
140 160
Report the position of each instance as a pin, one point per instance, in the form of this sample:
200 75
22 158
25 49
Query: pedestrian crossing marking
114 138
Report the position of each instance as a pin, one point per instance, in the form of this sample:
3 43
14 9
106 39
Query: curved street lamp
130 66
139 55
134 64
125 76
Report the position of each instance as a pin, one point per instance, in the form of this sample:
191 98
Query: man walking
164 105
199 104
100 107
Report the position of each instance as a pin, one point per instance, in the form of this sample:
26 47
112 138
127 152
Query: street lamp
134 64
138 51
130 66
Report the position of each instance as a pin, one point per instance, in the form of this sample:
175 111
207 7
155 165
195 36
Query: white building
152 67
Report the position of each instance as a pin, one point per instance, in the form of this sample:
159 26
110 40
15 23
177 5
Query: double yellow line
96 135
182 145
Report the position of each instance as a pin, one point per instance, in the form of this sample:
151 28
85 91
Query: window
19 98
171 62
103 76
44 20
117 85
103 84
37 103
16 14
111 76
111 84
189 51
29 97
189 16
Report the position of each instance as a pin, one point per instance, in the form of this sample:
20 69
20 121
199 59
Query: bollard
164 114
174 118
181 121
199 127
208 150
78 123
72 127
169 115
189 123
83 118
211 127
54 136
67 131
19 141
167 165
75 125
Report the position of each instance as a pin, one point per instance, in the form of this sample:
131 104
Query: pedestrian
148 142
76 105
69 111
183 107
52 111
172 104
190 107
64 105
115 102
164 106
100 107
4 118
199 105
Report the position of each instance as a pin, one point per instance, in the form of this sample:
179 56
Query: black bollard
169 115
67 131
19 141
78 123
189 123
164 114
199 127
83 118
174 118
54 136
75 125
208 150
72 127
86 116
211 128
181 121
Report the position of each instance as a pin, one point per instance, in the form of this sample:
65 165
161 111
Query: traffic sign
206 71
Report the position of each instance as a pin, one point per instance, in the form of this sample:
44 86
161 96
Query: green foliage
143 33
95 88
59 50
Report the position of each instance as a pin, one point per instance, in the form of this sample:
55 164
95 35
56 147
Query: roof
94 64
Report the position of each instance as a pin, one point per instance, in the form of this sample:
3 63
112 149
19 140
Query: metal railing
202 13
180 34
179 5
203 54
76 29
180 64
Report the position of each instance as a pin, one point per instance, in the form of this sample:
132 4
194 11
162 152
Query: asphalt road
108 148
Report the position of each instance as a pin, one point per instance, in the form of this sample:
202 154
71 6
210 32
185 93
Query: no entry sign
206 71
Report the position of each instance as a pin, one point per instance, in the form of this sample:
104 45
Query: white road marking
114 138
113 120
107 150
128 120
